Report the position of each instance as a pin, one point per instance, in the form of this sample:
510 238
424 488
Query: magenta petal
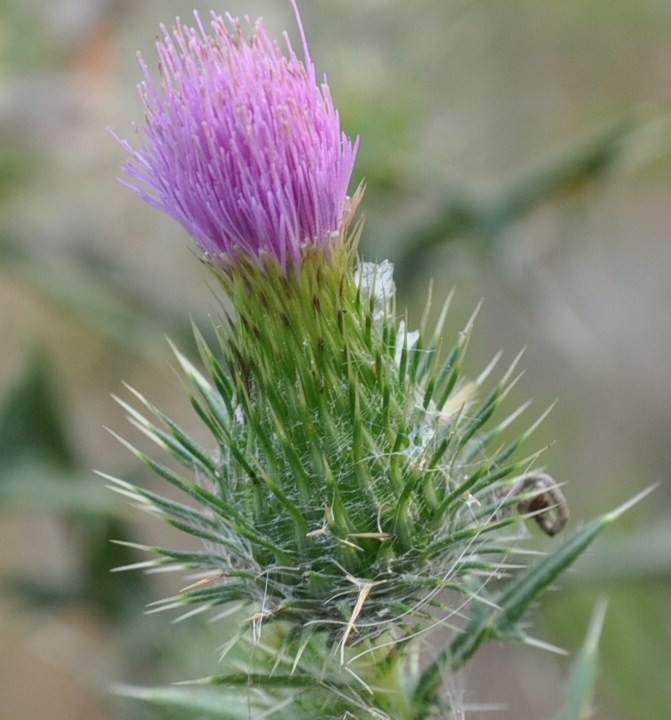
241 145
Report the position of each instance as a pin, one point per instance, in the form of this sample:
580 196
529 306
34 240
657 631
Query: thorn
363 594
470 499
202 582
263 614
316 533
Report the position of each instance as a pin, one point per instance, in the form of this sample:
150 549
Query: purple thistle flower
241 145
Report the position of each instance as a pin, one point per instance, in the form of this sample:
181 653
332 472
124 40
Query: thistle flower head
353 477
241 144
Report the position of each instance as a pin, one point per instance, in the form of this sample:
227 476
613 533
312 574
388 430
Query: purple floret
241 145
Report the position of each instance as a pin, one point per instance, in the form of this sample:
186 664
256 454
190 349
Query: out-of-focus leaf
16 167
31 421
40 474
580 688
86 289
641 554
23 44
635 640
90 512
117 595
468 213
43 487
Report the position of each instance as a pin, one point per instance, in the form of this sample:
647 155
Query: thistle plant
357 493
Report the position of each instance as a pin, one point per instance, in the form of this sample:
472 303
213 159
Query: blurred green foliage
40 473
521 62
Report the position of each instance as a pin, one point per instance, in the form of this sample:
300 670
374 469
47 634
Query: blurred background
517 151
